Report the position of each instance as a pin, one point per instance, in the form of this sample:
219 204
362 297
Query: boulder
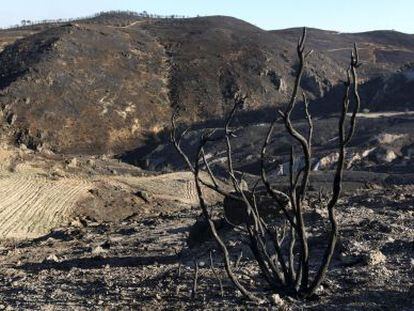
72 163
384 155
236 209
374 258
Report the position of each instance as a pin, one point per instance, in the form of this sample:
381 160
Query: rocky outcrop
315 84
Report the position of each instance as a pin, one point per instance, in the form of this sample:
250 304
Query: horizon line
178 16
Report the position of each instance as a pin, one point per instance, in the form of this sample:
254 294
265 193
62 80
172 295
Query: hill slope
103 85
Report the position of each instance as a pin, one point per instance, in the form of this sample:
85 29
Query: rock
386 138
276 300
91 162
76 223
23 147
52 258
98 250
201 264
315 84
384 155
374 258
143 195
106 244
243 185
320 290
390 156
200 231
11 118
72 163
44 149
277 81
236 210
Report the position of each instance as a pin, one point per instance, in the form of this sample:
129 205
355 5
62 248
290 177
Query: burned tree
281 252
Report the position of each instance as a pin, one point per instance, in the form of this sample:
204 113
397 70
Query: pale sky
340 15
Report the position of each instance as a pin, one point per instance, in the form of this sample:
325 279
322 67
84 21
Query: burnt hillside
103 84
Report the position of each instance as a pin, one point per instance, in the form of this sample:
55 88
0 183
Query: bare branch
213 230
309 119
279 196
195 281
337 184
210 172
176 142
216 274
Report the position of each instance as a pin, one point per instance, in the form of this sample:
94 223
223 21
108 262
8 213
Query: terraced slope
33 204
38 194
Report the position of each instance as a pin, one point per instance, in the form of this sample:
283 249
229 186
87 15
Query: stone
98 250
384 155
236 209
57 172
277 81
374 258
11 118
23 147
106 244
72 163
143 195
52 258
390 156
276 300
76 223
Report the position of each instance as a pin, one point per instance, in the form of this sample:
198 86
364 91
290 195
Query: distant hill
104 84
381 51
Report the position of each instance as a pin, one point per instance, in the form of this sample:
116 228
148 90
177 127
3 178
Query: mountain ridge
102 85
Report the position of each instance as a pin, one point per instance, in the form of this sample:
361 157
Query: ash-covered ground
146 263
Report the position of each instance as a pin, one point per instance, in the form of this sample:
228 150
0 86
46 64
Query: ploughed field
40 194
31 204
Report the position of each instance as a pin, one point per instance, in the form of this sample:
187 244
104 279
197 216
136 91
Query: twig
195 281
216 274
237 263
179 263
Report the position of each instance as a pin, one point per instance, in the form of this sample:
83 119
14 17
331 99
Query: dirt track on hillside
175 186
